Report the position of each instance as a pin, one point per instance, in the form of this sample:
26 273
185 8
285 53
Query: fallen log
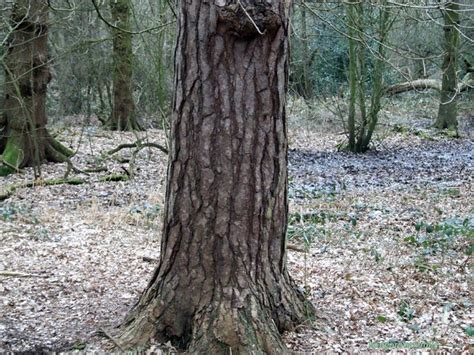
427 84
420 84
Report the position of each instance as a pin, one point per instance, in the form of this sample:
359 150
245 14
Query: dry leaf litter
386 238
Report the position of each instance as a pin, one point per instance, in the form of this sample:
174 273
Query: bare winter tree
222 284
24 139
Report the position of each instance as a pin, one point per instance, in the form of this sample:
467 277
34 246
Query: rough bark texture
222 284
24 139
448 105
123 111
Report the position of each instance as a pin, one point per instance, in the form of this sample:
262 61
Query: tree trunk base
227 325
124 125
21 150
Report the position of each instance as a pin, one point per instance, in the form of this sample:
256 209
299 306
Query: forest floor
385 242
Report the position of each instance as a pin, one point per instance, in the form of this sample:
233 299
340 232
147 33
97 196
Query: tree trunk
351 119
25 140
359 21
222 285
123 111
448 105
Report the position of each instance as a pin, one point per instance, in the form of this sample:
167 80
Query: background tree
123 110
447 113
25 140
363 115
226 208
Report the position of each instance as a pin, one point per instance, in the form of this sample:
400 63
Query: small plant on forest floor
435 239
314 217
451 192
405 311
469 331
12 211
8 212
149 211
304 227
44 235
376 254
440 237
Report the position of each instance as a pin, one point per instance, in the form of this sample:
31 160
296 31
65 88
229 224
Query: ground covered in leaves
384 242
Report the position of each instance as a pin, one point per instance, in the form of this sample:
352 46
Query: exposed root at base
14 157
221 327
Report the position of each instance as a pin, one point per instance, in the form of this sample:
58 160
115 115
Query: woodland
236 176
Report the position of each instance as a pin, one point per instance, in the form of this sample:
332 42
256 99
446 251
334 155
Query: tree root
14 157
221 327
139 144
237 319
10 190
104 332
7 273
114 178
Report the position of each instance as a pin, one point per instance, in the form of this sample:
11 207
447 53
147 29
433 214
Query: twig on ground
7 273
295 248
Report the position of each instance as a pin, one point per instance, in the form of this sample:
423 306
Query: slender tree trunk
360 131
307 82
222 285
377 73
123 111
25 140
361 73
351 120
448 105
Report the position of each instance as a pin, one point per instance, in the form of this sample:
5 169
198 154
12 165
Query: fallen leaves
351 214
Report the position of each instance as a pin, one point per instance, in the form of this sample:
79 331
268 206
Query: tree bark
123 110
222 285
25 140
448 102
